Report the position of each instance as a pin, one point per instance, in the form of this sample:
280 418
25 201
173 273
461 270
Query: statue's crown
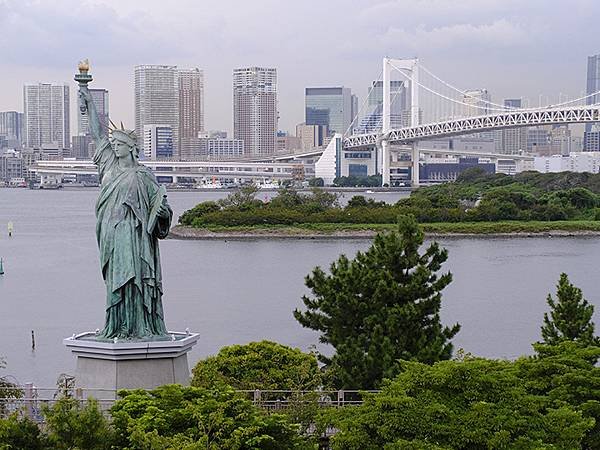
122 133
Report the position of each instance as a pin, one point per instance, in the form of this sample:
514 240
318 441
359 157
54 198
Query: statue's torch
83 78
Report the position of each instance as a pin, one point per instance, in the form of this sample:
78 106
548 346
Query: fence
29 399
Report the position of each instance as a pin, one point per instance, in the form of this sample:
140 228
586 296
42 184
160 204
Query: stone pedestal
105 367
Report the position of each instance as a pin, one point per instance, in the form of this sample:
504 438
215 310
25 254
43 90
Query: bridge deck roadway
510 119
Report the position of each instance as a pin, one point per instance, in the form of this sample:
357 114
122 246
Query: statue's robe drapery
127 231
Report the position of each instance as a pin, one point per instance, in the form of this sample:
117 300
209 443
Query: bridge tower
410 70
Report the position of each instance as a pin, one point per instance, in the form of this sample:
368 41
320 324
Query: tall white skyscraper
173 97
46 115
255 109
156 99
100 99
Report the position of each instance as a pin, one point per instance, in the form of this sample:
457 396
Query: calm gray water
238 291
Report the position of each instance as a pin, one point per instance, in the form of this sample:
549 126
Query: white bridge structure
437 110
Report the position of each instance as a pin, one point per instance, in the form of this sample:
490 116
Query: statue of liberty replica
134 350
132 214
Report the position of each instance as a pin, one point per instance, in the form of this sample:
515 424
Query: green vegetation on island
477 202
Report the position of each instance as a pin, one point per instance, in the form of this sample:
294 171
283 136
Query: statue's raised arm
86 103
104 156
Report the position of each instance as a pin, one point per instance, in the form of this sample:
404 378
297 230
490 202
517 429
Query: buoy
10 229
32 340
1 267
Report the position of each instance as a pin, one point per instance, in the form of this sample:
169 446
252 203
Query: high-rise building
593 83
157 100
538 140
255 109
158 141
513 140
330 107
82 147
100 100
11 127
372 121
311 136
191 105
46 115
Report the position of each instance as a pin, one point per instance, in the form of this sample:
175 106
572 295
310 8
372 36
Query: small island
529 203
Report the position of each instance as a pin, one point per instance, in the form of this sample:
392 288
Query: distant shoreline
189 233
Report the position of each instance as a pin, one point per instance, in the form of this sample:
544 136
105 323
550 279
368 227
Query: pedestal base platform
104 367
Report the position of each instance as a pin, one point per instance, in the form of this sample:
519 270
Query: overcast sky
514 48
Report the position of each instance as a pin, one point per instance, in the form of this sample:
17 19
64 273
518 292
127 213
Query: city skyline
510 49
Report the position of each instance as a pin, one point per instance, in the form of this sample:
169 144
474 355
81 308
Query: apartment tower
46 115
255 109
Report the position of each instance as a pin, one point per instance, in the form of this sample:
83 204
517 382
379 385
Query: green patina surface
132 215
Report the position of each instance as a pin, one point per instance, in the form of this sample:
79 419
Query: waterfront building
287 144
158 141
513 141
11 166
591 141
538 140
219 148
330 107
592 85
100 100
82 146
207 146
255 109
311 136
156 99
574 162
191 105
46 115
11 128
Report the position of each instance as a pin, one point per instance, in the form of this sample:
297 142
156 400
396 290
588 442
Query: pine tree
570 316
380 307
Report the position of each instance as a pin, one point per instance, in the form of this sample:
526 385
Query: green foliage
259 365
381 307
469 404
176 417
316 182
242 199
197 211
8 390
570 316
18 432
71 424
358 201
358 181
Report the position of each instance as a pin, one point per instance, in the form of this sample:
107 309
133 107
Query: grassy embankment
483 228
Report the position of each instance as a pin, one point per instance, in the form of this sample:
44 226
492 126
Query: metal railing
30 400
